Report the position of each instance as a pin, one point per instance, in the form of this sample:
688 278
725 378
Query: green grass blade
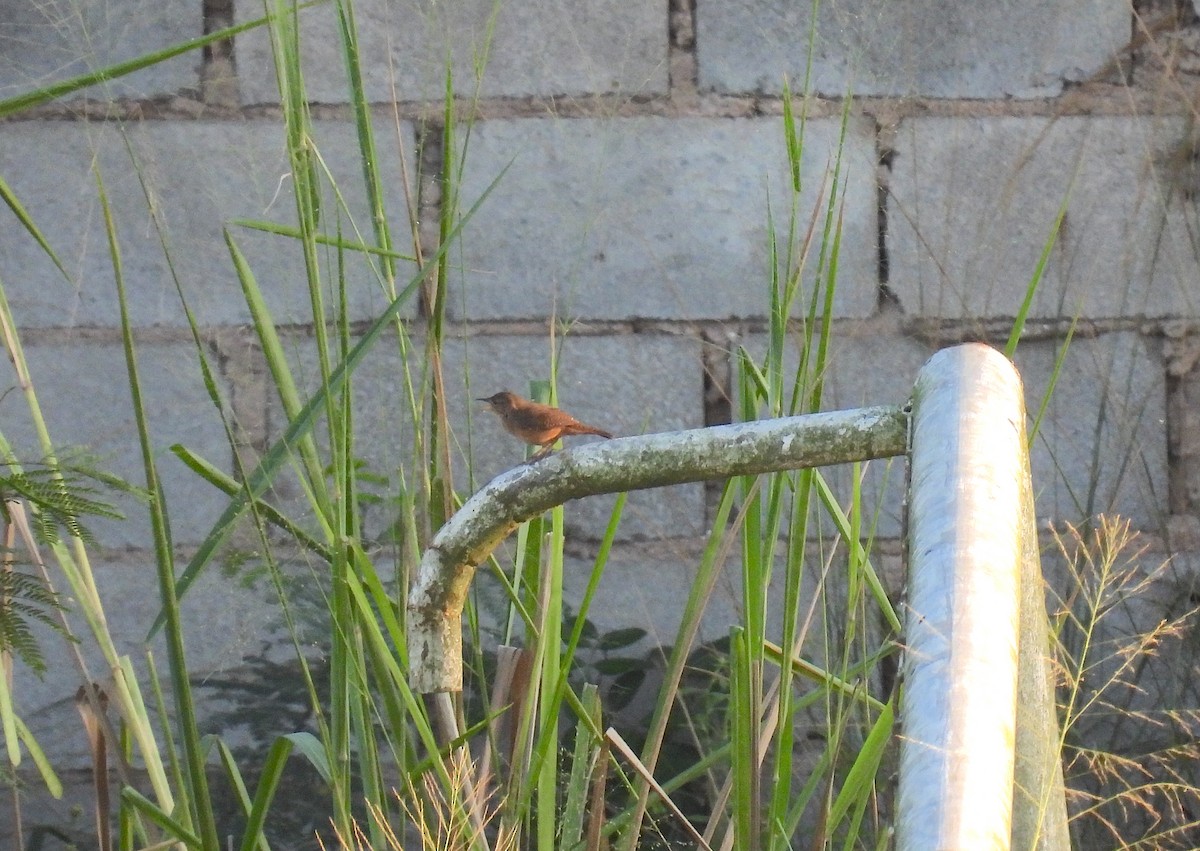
229 486
366 135
337 242
236 782
842 522
309 746
1014 335
164 553
586 750
743 735
860 779
268 784
8 717
53 784
13 105
1044 403
27 222
146 807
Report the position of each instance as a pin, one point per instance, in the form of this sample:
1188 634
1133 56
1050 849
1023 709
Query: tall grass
791 733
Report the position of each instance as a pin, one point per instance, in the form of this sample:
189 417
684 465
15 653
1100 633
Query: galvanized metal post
970 522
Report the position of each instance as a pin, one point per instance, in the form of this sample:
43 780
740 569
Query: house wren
535 423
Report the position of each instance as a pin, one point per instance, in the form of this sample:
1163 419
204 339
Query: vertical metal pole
965 547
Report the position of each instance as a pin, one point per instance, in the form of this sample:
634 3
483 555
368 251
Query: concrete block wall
643 151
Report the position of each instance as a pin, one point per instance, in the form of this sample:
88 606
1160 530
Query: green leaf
26 221
861 776
618 638
46 94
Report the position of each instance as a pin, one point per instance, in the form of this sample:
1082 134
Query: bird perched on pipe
535 423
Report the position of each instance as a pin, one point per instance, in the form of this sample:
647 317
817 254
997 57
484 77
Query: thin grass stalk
127 822
199 801
716 552
527 773
746 651
598 565
367 154
743 724
857 784
18 209
441 504
550 639
797 253
396 726
794 570
525 595
285 47
362 707
175 757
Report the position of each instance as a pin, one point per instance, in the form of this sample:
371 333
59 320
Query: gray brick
973 200
537 48
83 392
647 585
628 384
222 623
1018 48
1102 447
867 366
52 40
651 217
202 175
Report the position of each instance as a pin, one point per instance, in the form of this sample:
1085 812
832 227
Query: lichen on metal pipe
440 586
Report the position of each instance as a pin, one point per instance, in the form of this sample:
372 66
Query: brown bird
535 423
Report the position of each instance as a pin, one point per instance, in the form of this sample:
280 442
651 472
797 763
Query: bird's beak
483 399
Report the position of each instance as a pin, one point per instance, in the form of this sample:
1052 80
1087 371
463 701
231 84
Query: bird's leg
538 456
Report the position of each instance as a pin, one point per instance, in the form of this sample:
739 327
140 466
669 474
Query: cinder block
647 585
222 623
867 366
910 48
83 392
71 816
201 176
1102 447
973 202
652 217
532 48
53 40
628 384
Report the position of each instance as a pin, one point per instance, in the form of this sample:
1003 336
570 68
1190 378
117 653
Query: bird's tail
580 428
